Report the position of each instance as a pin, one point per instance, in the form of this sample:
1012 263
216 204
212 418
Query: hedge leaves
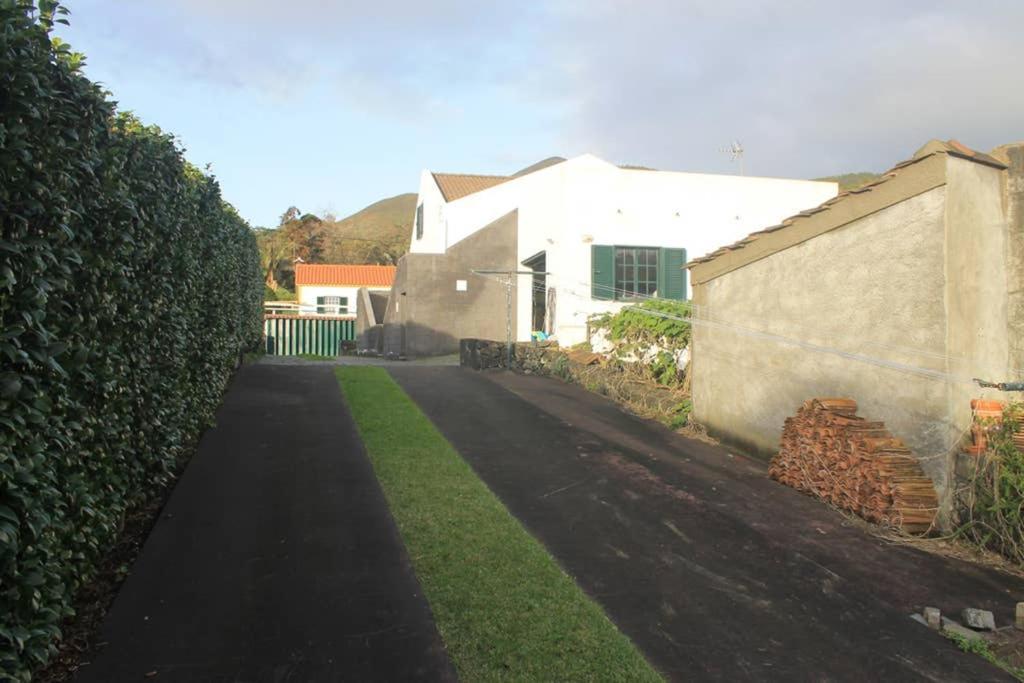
128 289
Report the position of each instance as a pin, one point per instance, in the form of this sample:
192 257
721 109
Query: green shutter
672 274
602 271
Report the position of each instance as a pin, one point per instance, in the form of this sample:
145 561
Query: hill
851 181
377 234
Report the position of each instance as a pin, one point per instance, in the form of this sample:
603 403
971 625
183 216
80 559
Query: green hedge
128 289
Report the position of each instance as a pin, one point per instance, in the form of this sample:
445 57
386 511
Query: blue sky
330 106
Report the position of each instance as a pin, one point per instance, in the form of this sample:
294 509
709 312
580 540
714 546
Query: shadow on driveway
715 571
276 558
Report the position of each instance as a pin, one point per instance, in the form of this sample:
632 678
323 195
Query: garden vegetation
128 290
992 503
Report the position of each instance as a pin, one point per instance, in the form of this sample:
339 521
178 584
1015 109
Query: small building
331 289
543 250
896 295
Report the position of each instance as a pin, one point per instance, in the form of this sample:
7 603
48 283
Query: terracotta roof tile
340 274
458 185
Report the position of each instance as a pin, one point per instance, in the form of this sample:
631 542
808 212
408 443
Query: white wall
308 294
602 204
434 240
565 208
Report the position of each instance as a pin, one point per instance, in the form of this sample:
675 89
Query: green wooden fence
291 336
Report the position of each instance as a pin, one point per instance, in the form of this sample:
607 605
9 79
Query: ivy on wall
654 332
128 289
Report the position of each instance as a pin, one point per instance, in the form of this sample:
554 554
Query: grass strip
504 607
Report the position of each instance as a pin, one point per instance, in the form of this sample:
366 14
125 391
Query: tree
288 216
305 234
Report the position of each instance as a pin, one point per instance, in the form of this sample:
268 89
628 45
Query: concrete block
980 619
1019 622
953 628
919 619
933 617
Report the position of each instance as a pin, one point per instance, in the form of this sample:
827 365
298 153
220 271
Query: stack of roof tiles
833 454
988 417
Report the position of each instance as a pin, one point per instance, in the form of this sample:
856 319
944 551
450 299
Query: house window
332 305
419 222
636 272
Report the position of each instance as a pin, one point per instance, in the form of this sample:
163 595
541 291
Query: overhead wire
701 318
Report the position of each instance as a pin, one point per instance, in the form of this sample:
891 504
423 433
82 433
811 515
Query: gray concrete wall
874 287
898 309
1013 157
368 331
976 245
426 314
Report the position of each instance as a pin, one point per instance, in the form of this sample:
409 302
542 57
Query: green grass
504 607
984 650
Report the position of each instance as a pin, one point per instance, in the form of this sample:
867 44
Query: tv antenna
735 152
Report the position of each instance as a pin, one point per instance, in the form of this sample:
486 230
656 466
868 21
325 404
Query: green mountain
377 234
851 181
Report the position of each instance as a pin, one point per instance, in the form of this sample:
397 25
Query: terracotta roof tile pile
988 417
855 464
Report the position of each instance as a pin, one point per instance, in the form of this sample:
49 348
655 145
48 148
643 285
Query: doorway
538 264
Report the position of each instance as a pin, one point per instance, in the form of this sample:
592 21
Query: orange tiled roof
458 185
338 274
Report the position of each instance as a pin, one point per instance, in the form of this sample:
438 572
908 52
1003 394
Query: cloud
375 54
810 88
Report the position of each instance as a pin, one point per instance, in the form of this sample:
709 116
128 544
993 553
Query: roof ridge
928 150
470 175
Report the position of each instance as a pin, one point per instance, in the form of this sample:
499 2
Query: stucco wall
874 287
899 310
1013 156
608 205
427 314
307 295
977 344
565 208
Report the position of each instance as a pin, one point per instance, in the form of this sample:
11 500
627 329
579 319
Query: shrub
661 324
992 506
128 289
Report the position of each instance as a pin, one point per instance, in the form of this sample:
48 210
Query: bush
661 324
279 294
992 506
128 289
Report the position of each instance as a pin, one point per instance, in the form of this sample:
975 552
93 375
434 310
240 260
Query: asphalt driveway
276 558
715 571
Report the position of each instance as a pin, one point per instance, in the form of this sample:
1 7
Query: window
636 272
332 305
419 222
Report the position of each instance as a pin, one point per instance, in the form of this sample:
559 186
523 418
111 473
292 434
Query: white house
330 289
604 235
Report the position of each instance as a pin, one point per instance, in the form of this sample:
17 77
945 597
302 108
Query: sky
330 106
